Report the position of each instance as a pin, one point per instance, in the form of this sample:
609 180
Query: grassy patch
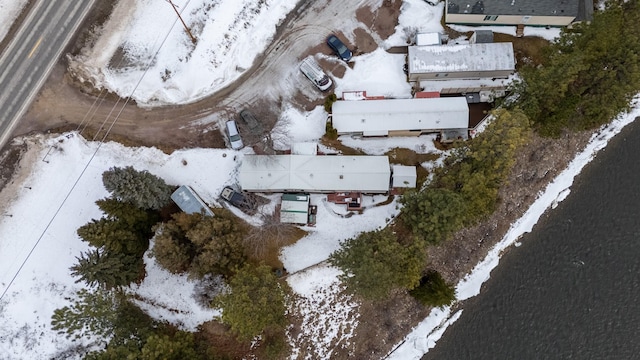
409 157
337 145
271 254
528 49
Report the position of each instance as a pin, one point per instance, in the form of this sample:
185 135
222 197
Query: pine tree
140 188
180 346
433 214
94 232
203 244
374 263
256 302
587 76
114 236
92 314
171 249
434 291
107 270
137 220
104 314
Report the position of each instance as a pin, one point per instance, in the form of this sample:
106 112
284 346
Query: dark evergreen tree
588 75
114 236
108 270
104 314
256 302
180 346
171 249
434 291
203 244
140 188
433 214
137 220
374 263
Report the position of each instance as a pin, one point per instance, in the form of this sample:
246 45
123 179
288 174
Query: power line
101 142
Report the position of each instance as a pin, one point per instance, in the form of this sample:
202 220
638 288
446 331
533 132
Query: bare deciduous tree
272 233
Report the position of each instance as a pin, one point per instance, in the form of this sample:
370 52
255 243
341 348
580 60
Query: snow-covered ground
9 10
40 212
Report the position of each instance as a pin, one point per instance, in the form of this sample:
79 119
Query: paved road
32 53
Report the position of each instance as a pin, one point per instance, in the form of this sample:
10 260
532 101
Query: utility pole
193 39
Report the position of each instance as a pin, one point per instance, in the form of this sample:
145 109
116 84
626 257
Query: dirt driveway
64 105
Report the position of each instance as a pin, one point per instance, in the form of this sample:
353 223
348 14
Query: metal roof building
189 202
315 174
294 208
404 176
465 61
518 12
400 116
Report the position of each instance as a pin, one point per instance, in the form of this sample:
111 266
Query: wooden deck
353 200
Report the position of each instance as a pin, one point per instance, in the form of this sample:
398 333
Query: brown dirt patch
384 19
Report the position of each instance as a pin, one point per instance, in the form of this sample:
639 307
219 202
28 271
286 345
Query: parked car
235 198
313 72
252 123
234 135
339 48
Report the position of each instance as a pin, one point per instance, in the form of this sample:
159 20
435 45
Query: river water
572 289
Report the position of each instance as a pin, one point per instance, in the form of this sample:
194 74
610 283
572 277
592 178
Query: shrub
328 102
434 291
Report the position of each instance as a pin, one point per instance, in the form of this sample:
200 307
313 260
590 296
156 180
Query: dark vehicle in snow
339 48
233 197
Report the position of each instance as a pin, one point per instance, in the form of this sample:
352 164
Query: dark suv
339 47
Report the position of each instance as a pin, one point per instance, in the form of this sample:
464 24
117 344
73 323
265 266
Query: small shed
404 176
481 37
294 208
189 202
424 39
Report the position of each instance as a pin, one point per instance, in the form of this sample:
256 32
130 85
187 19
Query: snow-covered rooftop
461 58
378 117
310 173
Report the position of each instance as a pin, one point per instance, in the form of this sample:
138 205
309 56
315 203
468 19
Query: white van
234 135
313 72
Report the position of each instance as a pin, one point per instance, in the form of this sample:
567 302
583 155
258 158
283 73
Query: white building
521 12
189 202
466 61
404 176
315 174
400 117
294 209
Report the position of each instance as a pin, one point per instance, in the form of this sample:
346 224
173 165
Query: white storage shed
294 208
404 176
315 174
402 117
189 202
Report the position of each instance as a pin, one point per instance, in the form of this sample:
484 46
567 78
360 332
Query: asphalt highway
30 56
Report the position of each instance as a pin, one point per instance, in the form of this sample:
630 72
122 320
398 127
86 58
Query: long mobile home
404 117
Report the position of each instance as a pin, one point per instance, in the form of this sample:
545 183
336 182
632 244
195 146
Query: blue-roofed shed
189 201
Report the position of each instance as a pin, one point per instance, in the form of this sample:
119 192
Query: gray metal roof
516 7
189 201
483 36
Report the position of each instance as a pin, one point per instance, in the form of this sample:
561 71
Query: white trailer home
465 61
315 174
400 117
521 12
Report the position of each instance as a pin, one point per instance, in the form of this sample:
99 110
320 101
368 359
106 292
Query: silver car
234 135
